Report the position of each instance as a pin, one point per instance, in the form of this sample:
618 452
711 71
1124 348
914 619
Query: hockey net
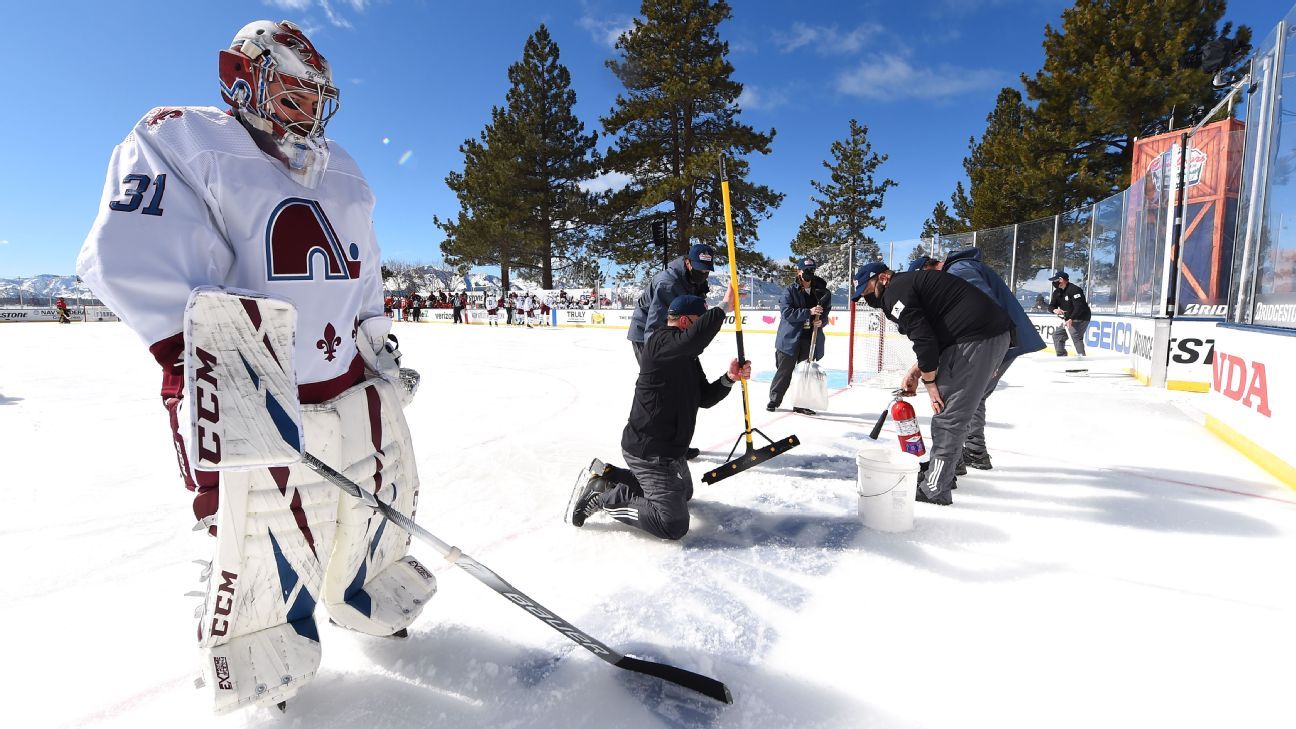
879 355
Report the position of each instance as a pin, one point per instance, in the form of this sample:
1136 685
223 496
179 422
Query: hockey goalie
239 244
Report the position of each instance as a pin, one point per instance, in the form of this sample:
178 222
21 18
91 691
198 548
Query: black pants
638 351
785 366
458 316
652 495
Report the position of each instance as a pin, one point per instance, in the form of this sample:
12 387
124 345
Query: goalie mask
279 85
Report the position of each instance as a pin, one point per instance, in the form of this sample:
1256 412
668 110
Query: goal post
877 354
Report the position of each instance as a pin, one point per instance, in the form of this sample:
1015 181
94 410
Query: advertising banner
1251 403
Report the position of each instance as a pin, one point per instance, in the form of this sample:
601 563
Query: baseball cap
700 254
1060 274
807 263
866 273
918 264
687 305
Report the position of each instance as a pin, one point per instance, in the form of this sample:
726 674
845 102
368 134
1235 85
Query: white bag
809 387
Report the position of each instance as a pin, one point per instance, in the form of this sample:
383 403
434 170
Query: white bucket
888 483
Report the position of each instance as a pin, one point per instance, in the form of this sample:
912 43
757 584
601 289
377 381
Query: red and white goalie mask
279 85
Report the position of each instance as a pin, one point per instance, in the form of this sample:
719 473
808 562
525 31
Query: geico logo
1205 309
1142 346
1235 378
208 405
1189 351
1113 335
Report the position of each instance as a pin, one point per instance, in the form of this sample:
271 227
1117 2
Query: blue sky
419 77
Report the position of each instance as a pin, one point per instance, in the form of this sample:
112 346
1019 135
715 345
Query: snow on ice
1119 567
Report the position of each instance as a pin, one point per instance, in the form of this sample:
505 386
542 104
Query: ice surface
1119 568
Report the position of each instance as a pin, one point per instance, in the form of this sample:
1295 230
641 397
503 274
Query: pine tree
483 231
556 156
847 207
521 205
677 117
1004 172
1117 71
942 222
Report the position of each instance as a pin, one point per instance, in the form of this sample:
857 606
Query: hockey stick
702 684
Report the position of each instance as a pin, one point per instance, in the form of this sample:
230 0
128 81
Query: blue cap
918 264
687 305
866 273
1060 274
701 256
807 263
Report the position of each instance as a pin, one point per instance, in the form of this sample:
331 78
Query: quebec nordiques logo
301 244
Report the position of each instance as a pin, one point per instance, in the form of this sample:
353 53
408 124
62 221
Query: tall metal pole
1176 232
1012 265
1057 220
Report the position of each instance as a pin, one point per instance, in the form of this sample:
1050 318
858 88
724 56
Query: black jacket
936 310
1070 299
796 320
670 389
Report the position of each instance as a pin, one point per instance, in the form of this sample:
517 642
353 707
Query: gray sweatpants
975 440
964 374
652 494
1077 332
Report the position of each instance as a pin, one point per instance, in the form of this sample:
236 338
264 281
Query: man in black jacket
652 494
959 336
804 307
1068 302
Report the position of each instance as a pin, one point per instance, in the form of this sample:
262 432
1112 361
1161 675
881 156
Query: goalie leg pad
256 628
371 584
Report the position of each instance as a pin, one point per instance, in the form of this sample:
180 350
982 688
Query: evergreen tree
521 205
1004 172
942 222
677 117
848 206
1117 71
555 156
483 231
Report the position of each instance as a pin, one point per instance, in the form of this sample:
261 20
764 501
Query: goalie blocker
286 539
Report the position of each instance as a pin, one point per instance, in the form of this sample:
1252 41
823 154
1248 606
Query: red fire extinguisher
911 440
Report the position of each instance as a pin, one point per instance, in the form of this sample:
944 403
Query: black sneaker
692 453
804 411
944 498
586 492
961 468
979 461
771 407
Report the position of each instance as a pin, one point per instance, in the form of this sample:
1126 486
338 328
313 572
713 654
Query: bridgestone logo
1276 312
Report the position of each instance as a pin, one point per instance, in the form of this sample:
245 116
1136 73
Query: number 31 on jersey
134 188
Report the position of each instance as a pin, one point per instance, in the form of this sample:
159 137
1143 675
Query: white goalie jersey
191 200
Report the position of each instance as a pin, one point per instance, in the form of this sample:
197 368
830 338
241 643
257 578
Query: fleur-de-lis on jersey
329 343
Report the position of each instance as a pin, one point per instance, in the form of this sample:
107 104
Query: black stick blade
751 458
704 685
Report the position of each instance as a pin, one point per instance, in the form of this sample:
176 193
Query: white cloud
754 98
827 39
334 17
4 242
607 182
888 77
606 30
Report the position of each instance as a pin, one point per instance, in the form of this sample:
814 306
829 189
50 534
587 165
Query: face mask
875 299
699 277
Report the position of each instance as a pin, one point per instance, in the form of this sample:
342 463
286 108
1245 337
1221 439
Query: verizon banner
1251 400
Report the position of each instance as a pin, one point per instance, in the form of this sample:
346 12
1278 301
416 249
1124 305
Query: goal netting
879 354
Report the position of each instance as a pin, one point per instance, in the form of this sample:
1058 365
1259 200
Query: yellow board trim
1280 469
1143 379
1188 386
